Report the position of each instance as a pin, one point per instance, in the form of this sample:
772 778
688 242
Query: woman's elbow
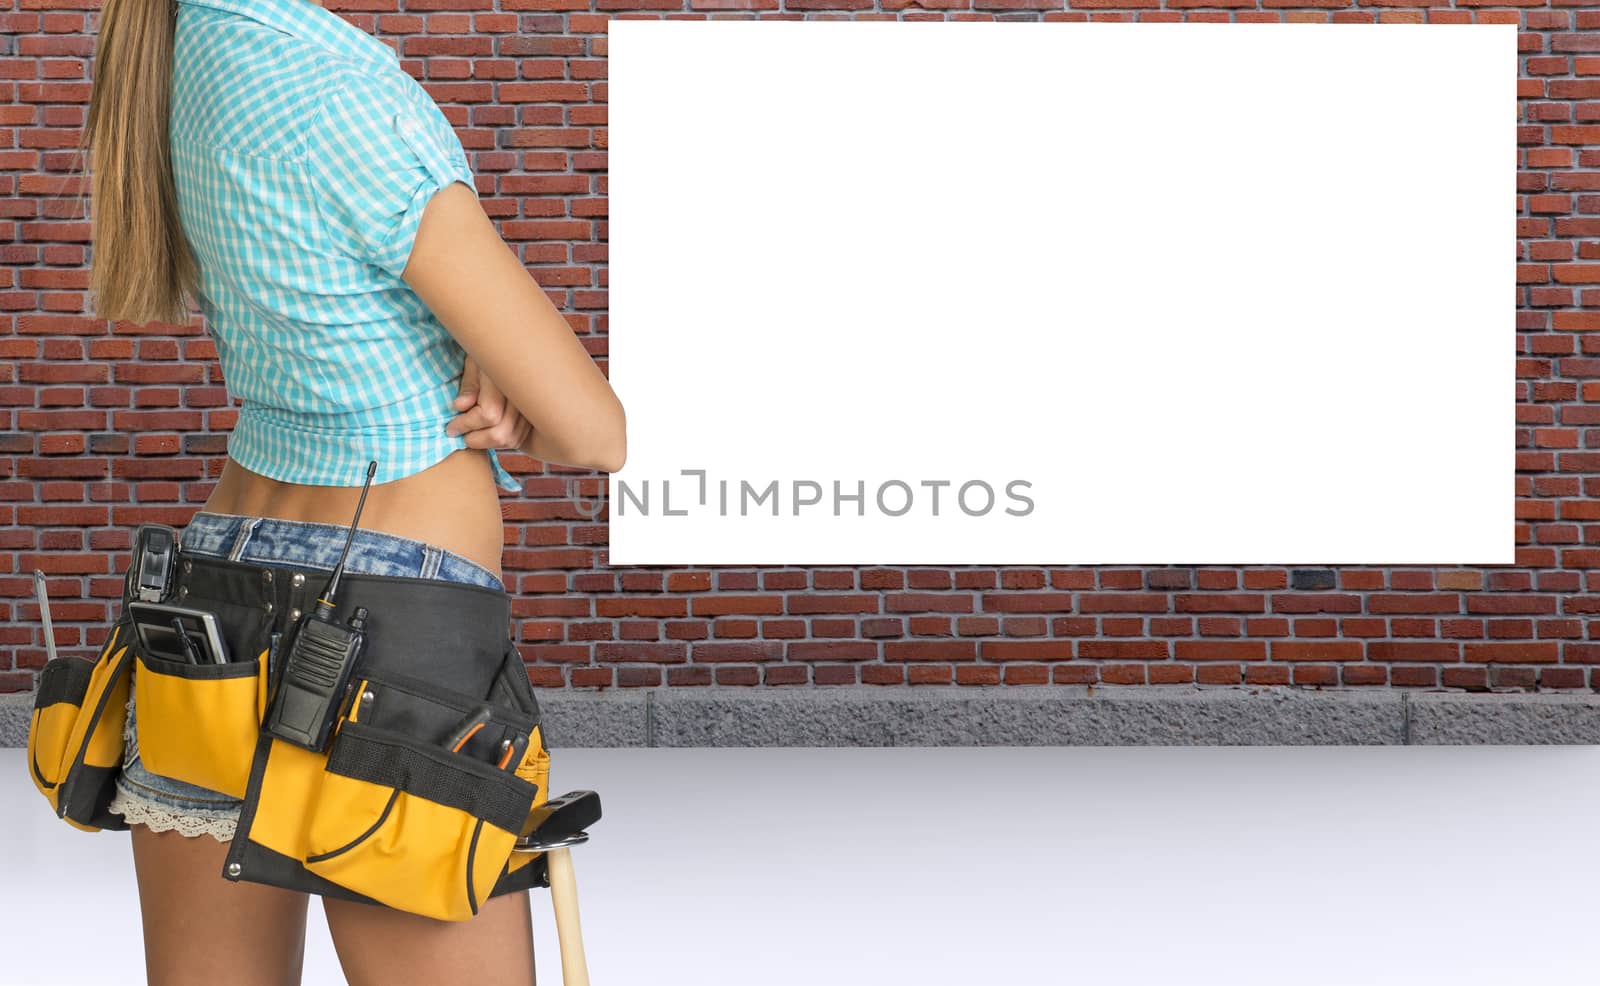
613 452
613 463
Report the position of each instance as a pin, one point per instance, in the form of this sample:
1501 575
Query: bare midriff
453 504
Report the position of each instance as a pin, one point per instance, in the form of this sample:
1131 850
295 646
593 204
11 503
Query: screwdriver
44 612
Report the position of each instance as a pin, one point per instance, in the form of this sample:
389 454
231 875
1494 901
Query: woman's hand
486 417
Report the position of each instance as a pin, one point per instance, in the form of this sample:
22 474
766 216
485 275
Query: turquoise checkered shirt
303 156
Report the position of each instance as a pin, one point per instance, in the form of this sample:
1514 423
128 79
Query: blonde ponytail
141 268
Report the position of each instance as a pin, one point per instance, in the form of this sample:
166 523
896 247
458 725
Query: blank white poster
1063 293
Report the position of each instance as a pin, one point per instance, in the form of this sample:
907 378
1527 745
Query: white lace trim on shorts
219 824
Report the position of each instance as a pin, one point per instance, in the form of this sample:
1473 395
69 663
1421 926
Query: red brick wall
105 426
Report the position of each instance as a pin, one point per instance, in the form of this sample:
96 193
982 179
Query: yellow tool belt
387 814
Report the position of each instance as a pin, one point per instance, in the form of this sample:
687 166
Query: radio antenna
325 603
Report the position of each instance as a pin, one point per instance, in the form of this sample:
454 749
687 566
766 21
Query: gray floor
1357 866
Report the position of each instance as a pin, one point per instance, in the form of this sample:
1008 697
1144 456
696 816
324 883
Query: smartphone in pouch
153 624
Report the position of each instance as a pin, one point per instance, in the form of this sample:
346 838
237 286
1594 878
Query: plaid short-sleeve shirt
303 156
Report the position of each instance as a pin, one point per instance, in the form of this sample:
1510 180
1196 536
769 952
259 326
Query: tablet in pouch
153 624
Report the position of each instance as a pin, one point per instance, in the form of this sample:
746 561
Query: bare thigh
395 948
202 929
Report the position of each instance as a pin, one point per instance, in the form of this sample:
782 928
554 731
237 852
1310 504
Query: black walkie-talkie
316 672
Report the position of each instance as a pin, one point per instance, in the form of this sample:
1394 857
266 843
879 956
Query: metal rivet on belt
234 869
269 605
188 566
183 590
367 697
267 575
294 614
299 578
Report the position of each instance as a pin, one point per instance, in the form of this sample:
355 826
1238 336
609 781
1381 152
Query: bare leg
201 929
380 945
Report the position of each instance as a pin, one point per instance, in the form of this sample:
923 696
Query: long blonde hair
141 268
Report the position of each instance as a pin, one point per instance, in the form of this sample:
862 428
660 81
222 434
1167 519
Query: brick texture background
104 426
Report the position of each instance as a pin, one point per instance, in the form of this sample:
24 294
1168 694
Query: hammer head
559 820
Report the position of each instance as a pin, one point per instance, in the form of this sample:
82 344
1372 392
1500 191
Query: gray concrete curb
1036 716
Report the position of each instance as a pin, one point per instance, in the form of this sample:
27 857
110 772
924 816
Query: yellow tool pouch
392 814
75 735
405 808
198 722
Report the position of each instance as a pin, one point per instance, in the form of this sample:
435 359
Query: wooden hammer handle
564 898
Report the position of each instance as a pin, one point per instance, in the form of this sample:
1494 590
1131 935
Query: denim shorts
164 803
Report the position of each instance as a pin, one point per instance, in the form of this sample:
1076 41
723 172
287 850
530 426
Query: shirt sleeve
377 151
